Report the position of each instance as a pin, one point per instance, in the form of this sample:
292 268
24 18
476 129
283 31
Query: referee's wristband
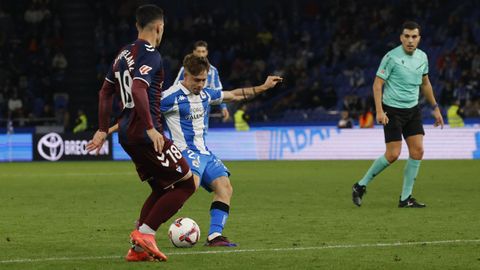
435 106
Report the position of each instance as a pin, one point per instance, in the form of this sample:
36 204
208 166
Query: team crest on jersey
144 69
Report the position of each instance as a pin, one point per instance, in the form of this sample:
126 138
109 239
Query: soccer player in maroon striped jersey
136 75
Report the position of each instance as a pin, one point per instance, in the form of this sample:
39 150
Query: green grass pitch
284 215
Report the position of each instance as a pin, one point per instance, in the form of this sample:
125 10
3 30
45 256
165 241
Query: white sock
213 235
146 229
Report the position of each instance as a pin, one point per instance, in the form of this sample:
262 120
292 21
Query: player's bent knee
392 157
229 190
417 153
226 189
222 187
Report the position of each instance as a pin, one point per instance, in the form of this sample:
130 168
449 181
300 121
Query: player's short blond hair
195 65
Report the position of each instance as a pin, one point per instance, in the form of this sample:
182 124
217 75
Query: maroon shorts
167 167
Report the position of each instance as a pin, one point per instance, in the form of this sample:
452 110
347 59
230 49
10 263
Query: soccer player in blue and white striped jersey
185 108
200 49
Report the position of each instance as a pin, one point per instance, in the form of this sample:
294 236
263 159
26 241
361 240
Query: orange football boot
148 243
133 256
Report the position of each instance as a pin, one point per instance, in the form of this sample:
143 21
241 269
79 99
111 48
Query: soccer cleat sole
412 206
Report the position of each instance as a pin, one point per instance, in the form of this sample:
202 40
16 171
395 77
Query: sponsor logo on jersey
196 112
195 116
144 69
197 109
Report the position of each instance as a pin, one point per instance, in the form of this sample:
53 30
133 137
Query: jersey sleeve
425 68
217 84
110 77
216 96
167 103
179 76
386 67
105 105
147 64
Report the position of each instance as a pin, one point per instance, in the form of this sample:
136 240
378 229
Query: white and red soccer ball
184 232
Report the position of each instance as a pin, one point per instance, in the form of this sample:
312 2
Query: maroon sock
150 201
147 205
169 203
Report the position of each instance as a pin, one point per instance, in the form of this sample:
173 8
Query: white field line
225 251
2 176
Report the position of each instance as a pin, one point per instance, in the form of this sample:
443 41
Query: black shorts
167 167
406 122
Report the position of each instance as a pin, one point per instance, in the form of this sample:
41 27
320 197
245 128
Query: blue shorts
207 167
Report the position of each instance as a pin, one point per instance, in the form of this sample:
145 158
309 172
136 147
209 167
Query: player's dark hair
200 43
195 65
146 14
411 25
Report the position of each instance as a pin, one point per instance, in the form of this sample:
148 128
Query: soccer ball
184 232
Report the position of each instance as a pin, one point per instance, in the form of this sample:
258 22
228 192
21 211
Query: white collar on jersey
184 89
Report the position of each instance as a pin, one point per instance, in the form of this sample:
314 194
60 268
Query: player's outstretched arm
240 94
104 110
427 90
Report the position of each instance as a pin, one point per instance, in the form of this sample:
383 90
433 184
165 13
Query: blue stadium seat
60 100
38 104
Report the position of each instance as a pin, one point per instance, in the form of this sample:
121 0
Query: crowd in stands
327 51
328 62
32 64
